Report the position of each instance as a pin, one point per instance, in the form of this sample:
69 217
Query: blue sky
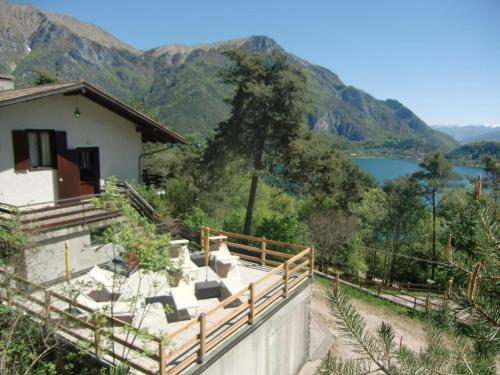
441 58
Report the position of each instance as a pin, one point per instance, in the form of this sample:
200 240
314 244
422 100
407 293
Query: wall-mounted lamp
77 113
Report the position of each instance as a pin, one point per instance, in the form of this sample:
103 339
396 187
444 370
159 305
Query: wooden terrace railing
208 329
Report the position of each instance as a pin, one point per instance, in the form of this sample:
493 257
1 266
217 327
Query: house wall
119 144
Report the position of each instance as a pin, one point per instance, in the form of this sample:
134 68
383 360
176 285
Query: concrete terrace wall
118 141
46 261
279 345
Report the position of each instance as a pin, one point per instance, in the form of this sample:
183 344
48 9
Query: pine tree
434 174
268 112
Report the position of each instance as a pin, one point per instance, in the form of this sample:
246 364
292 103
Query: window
89 163
40 148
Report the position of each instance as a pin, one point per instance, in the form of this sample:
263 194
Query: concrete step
56 210
77 218
58 214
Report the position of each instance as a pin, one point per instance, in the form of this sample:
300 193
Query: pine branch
353 327
335 366
485 315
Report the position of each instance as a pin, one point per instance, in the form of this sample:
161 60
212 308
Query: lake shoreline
454 162
388 168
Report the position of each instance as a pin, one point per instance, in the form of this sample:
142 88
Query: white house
58 143
62 140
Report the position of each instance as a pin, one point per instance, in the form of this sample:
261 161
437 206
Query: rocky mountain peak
89 31
261 43
17 25
176 54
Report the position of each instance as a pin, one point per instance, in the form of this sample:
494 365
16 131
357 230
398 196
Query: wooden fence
433 297
276 283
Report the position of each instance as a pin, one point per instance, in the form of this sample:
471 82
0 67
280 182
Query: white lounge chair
185 299
231 286
188 267
119 310
142 284
152 318
223 262
104 279
176 247
220 251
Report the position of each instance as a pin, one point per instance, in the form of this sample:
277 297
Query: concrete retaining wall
277 344
46 262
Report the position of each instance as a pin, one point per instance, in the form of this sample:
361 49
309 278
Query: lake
383 169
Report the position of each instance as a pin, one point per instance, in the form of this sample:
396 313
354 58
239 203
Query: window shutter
21 150
60 145
60 141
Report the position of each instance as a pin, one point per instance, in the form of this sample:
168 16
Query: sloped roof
151 130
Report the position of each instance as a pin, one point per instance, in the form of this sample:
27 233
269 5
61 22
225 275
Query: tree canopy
268 111
434 174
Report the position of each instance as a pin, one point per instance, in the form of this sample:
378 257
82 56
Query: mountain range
181 84
470 133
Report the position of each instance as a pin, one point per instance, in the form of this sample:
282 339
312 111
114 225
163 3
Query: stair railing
137 201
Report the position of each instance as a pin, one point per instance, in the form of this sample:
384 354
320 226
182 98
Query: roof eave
157 131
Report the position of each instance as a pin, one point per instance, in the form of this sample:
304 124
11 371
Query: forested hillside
475 152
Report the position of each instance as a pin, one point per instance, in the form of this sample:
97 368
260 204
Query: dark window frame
96 167
52 145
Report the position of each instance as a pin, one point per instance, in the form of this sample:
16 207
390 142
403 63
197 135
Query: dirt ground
411 330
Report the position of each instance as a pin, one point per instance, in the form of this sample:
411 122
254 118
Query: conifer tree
267 112
435 173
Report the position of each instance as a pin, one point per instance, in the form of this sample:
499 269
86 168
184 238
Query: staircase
138 202
63 215
52 216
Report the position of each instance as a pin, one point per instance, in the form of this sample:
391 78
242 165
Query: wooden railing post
207 244
8 289
252 303
263 252
97 334
202 237
447 293
311 260
47 306
203 337
285 277
162 358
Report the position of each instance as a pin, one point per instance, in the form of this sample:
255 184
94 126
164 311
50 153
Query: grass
385 305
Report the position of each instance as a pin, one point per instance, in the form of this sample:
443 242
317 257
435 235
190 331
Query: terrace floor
152 309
